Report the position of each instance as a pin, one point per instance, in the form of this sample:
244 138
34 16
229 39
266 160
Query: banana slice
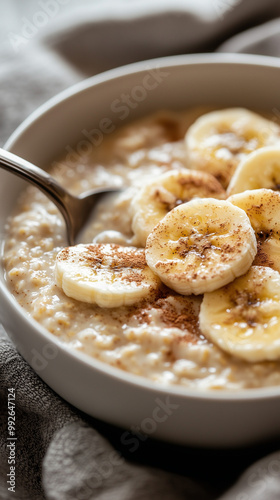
243 318
201 245
263 209
219 140
166 191
107 275
260 169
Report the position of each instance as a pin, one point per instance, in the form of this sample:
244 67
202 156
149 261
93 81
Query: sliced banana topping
263 209
105 274
201 245
243 318
260 169
156 198
219 140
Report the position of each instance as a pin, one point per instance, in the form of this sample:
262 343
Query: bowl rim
131 379
171 61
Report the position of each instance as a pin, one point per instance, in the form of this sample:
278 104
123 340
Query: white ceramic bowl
175 414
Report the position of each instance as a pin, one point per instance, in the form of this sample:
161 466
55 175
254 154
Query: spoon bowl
74 209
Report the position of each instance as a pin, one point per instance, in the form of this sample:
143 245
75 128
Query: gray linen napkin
62 454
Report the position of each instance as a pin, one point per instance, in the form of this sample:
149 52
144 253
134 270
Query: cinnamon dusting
181 315
262 258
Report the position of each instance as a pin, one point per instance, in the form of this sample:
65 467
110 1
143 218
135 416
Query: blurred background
13 10
47 45
16 14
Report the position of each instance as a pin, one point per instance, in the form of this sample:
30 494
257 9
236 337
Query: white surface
204 418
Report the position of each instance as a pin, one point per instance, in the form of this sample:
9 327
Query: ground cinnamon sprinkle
262 259
133 259
122 257
64 254
132 277
126 261
96 250
184 317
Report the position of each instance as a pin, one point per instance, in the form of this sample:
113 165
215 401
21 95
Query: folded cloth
61 453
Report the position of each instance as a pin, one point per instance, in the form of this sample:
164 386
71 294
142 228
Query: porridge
178 278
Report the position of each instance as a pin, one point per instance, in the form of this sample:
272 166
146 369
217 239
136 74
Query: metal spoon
74 209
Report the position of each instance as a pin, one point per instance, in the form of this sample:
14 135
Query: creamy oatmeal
159 336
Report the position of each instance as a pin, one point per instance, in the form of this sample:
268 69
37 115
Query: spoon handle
26 170
45 182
